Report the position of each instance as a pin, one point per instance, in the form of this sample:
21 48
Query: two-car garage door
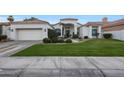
31 34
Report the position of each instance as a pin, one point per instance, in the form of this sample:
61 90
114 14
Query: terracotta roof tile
31 22
114 23
93 23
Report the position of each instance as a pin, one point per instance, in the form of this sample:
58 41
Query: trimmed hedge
75 36
68 41
107 35
60 40
46 40
56 40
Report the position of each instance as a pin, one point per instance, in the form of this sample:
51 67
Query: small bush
107 36
68 41
60 40
3 37
86 37
46 40
75 36
54 40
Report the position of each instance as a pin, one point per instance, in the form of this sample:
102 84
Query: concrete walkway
61 66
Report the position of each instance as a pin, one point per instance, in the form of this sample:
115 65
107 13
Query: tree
31 19
52 34
10 19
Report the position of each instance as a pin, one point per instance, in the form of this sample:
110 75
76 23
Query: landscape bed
94 47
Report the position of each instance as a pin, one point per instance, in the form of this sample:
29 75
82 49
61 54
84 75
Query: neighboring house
116 28
67 27
4 28
92 29
28 30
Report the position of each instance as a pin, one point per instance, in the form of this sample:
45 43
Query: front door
67 33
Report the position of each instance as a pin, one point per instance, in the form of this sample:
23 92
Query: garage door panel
31 34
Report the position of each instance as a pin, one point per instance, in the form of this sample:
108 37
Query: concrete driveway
9 48
62 66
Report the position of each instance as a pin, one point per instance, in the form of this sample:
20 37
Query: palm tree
10 19
31 19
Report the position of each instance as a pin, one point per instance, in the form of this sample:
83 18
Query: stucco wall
84 31
118 34
4 30
87 31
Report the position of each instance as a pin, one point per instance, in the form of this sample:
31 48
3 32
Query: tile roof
30 22
114 23
93 24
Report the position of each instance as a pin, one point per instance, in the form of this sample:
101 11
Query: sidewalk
61 66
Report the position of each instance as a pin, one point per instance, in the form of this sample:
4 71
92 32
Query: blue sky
55 18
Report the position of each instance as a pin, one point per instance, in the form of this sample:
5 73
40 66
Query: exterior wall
84 31
116 31
90 32
4 30
87 31
119 34
100 32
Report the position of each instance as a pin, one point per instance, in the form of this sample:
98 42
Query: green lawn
100 47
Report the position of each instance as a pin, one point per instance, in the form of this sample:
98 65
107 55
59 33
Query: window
58 31
10 29
94 30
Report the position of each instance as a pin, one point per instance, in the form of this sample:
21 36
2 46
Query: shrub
68 41
75 36
107 35
60 40
54 40
46 40
86 37
3 37
52 34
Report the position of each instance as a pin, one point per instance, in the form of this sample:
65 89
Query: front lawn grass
94 47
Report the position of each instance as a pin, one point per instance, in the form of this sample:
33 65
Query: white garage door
31 34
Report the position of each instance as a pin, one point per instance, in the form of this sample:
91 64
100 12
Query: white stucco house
92 29
67 27
27 30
